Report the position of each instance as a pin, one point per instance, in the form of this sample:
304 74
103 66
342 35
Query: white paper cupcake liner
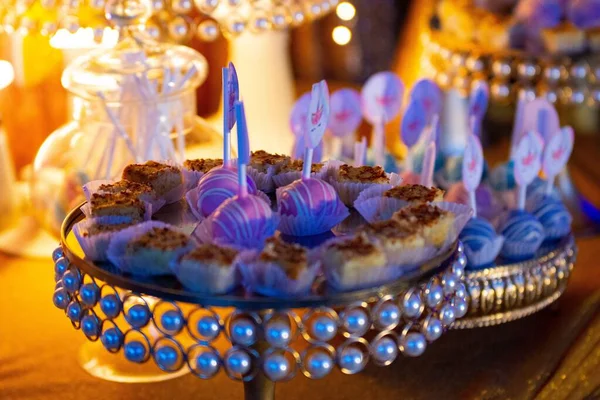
148 263
94 187
350 223
269 279
94 247
263 180
86 209
486 255
373 206
175 194
206 278
191 178
462 214
349 191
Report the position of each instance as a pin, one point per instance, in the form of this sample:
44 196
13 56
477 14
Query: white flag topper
318 114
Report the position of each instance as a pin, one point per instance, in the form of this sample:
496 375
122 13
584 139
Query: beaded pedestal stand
257 340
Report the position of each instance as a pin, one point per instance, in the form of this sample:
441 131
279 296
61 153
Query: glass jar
129 104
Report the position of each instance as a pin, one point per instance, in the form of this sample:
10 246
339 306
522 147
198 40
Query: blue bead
90 326
135 351
61 298
110 305
71 281
208 327
89 294
166 357
138 316
74 311
57 253
172 321
61 266
112 339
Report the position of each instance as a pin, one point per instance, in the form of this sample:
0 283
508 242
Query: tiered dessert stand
260 341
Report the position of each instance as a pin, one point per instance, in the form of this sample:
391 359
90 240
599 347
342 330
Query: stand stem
259 388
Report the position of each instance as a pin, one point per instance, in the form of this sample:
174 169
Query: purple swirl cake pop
245 221
540 14
585 14
214 188
309 207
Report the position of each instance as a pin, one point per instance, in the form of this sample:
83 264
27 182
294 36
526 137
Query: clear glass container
132 103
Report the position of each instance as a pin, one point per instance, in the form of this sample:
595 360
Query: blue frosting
523 234
502 177
477 234
554 217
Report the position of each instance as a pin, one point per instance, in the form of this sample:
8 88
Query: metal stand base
260 388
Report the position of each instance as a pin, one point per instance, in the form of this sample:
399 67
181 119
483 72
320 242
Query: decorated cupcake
381 202
193 170
116 208
148 249
263 166
280 269
208 268
94 238
355 261
435 223
350 181
403 244
166 180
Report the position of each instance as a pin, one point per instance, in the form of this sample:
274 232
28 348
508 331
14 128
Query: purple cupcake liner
268 279
94 187
350 223
86 209
486 255
349 191
264 180
150 264
94 247
191 178
206 278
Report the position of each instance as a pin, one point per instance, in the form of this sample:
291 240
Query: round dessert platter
253 339
507 292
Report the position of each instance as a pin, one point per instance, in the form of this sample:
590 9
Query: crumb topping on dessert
164 239
263 158
364 174
203 164
148 171
358 244
114 199
291 257
223 256
390 229
413 193
420 215
125 186
96 229
298 165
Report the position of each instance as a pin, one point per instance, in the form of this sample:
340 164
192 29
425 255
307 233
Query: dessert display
263 166
166 180
148 249
280 269
208 268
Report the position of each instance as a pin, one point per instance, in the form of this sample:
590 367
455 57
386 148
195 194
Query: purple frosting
306 197
584 14
244 221
540 13
218 185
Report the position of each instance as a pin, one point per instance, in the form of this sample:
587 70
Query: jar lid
136 64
